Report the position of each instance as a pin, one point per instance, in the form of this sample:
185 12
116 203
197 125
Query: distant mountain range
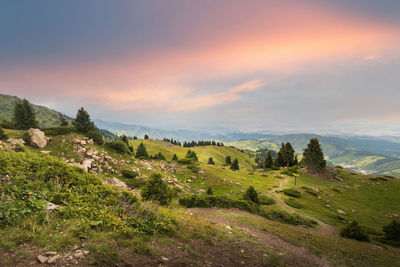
364 154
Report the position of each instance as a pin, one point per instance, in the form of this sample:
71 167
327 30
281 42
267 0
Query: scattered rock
38 138
90 141
45 152
164 258
201 191
15 142
228 227
51 253
83 142
341 211
51 206
42 259
79 255
118 183
53 259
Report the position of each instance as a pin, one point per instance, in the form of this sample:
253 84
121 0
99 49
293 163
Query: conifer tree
211 161
279 157
174 157
288 155
146 136
125 139
228 160
235 165
313 157
209 191
63 121
141 152
24 115
82 122
251 195
268 161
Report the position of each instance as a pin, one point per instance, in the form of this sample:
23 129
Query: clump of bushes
235 165
3 135
309 191
191 155
292 202
291 192
60 130
211 161
209 191
157 189
251 195
96 136
290 171
392 233
284 217
265 200
141 152
129 174
158 156
118 146
354 231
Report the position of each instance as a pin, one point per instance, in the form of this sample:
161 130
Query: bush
354 231
19 148
159 156
3 135
235 165
209 191
251 195
96 136
291 192
60 130
211 161
292 202
265 200
392 233
118 146
284 217
157 189
141 152
129 174
309 190
6 124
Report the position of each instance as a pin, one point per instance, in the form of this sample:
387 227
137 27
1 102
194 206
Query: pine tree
228 160
313 157
279 157
24 115
63 121
141 152
146 136
211 161
251 195
235 165
124 139
82 122
268 161
288 155
174 157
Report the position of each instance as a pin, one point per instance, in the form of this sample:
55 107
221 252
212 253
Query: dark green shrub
354 231
96 136
284 217
211 161
129 174
6 124
3 135
159 156
60 130
174 157
291 192
209 191
235 165
19 148
141 152
292 202
191 155
157 189
251 195
309 191
265 200
392 233
275 168
118 146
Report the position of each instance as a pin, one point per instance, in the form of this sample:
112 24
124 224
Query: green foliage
19 148
392 233
228 160
265 200
118 146
313 158
82 122
291 192
157 189
24 115
235 165
291 171
209 191
3 135
309 191
211 161
146 137
141 152
174 157
354 231
284 217
268 161
251 195
6 124
286 156
59 130
125 139
96 136
293 202
191 155
159 156
63 121
129 174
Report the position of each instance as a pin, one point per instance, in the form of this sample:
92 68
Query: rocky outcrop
37 138
15 142
118 183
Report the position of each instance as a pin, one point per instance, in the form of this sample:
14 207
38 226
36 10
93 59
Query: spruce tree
82 122
24 115
124 139
63 121
228 160
141 152
146 136
235 165
211 161
279 161
313 157
288 155
174 157
251 195
268 161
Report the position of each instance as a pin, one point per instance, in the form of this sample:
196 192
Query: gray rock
15 142
38 138
51 253
42 259
53 259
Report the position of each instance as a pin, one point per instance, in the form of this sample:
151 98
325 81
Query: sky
275 66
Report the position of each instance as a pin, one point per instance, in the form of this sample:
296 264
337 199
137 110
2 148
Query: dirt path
287 252
325 228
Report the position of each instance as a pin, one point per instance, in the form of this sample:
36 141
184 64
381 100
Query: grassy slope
46 117
371 200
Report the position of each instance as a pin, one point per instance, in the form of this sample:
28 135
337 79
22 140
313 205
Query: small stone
85 252
228 227
53 259
242 251
79 255
51 253
341 211
42 259
165 258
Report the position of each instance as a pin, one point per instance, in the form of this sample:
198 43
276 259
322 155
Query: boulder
38 138
118 183
42 259
15 142
87 164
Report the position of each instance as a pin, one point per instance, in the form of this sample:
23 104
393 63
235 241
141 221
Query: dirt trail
325 228
287 252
